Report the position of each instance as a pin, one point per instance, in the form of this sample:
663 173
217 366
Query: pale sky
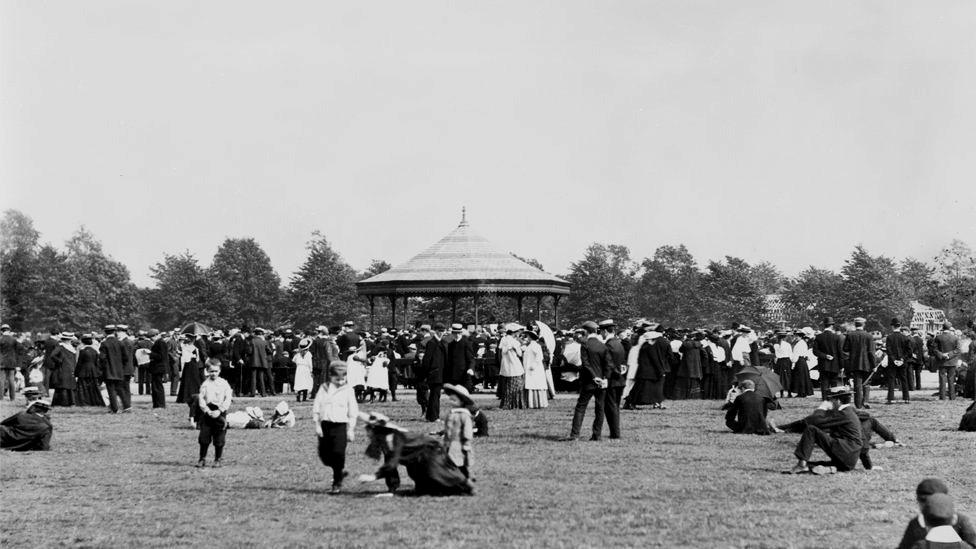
780 131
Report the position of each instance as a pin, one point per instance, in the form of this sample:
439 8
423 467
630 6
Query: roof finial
464 217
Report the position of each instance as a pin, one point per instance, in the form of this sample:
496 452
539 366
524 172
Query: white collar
943 534
842 406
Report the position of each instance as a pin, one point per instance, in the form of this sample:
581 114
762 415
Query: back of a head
938 510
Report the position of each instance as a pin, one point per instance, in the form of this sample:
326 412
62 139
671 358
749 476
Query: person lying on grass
28 430
835 428
869 426
747 412
923 524
425 458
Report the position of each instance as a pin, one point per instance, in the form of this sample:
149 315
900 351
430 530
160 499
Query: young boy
334 413
919 527
213 401
459 428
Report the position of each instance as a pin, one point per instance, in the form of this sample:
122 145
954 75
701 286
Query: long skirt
783 367
800 384
536 398
712 386
686 388
646 392
511 391
87 392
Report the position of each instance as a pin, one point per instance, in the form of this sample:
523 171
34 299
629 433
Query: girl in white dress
356 371
303 370
536 387
377 377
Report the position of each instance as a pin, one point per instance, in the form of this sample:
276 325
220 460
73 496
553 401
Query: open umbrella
767 382
545 332
195 328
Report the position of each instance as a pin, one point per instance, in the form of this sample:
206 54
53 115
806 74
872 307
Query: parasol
545 332
767 382
195 328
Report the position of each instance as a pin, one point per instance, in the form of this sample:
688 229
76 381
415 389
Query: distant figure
28 430
747 414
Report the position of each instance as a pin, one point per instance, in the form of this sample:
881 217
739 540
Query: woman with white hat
800 383
87 392
63 360
536 386
511 380
302 359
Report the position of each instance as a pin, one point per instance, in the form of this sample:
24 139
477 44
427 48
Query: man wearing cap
159 367
858 349
918 527
460 358
433 365
617 379
113 363
827 349
836 429
10 351
594 374
945 347
899 347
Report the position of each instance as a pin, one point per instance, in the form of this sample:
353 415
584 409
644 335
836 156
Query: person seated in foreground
28 430
747 412
869 426
835 429
968 421
919 527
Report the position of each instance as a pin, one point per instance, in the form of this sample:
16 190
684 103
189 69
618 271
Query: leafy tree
669 287
813 295
918 279
102 291
872 288
731 294
955 273
52 303
248 289
18 258
603 285
767 278
377 266
323 291
184 293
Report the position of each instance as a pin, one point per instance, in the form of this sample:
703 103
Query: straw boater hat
66 336
305 343
808 332
282 408
376 419
459 392
41 403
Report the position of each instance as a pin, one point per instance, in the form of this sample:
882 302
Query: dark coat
112 359
435 361
460 359
945 346
26 431
347 340
323 352
87 366
691 359
259 355
63 364
747 414
654 360
918 350
9 352
844 428
596 361
618 358
828 343
159 357
128 357
915 532
899 347
859 351
238 349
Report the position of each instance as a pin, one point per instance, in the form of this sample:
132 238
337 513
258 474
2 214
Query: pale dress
303 371
378 376
536 386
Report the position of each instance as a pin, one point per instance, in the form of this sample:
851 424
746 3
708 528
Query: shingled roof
463 262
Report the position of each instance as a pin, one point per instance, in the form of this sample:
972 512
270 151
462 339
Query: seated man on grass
835 428
747 413
869 426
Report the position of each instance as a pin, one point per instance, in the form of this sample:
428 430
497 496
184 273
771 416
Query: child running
334 413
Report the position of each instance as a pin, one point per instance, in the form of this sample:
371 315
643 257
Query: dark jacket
844 429
159 357
128 357
435 361
596 362
747 414
322 352
113 361
618 358
899 347
9 352
859 351
654 360
827 343
460 358
259 355
691 364
915 532
63 364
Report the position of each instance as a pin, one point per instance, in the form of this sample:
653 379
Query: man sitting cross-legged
869 427
835 428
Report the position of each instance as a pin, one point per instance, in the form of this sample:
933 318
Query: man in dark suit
112 361
433 365
237 347
945 347
323 354
259 360
826 347
836 429
899 347
917 360
460 358
158 368
617 379
348 339
129 362
594 373
858 349
747 413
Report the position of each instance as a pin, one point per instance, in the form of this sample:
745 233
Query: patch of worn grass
677 479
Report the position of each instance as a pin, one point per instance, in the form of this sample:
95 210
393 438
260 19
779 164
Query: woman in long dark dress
192 376
63 359
87 392
800 383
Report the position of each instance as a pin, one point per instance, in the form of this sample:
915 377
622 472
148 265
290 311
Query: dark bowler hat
895 323
828 321
438 327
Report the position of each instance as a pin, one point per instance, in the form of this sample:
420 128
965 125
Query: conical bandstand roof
463 263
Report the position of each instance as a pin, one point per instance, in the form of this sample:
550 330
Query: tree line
79 286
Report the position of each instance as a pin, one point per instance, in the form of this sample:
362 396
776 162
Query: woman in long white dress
536 387
356 371
378 376
303 370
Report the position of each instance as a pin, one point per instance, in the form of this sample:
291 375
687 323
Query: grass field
677 479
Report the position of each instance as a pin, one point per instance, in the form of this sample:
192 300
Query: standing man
859 351
259 360
433 364
322 355
348 338
10 352
827 349
158 368
128 362
237 348
917 360
460 358
618 376
899 347
946 350
141 355
175 361
594 374
111 355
